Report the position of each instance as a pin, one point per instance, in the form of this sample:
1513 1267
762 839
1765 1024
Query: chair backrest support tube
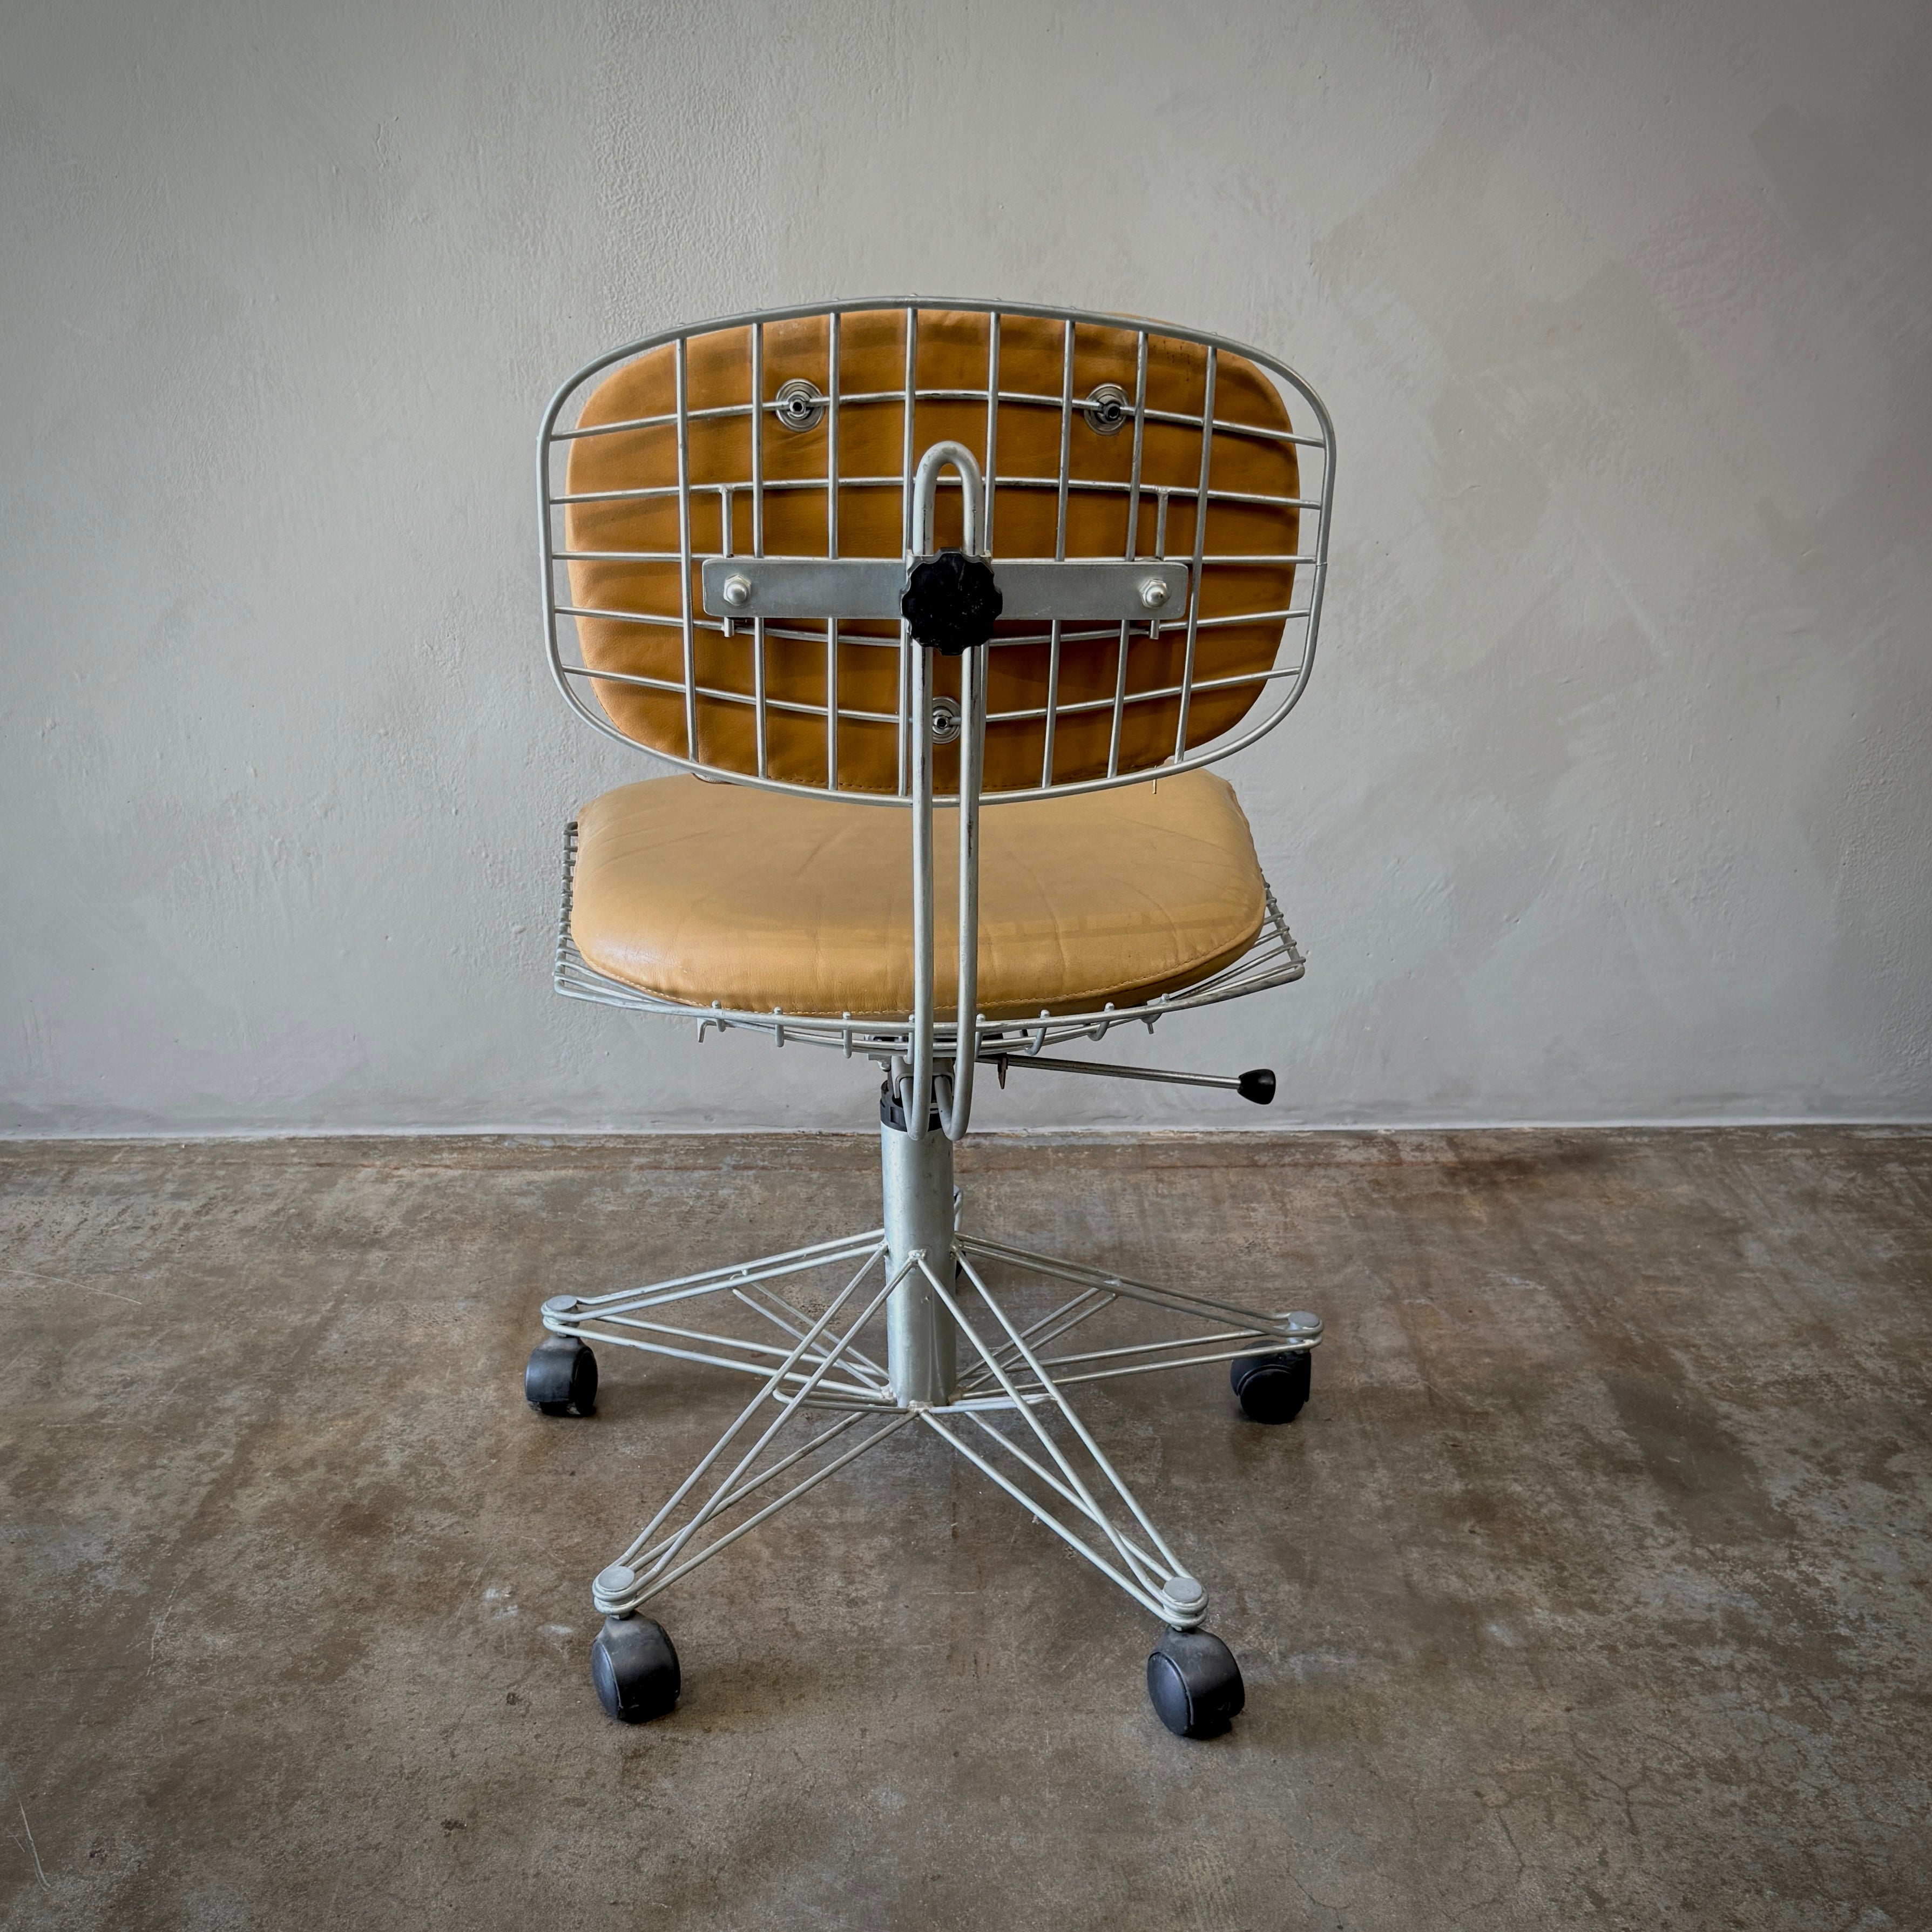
958 1112
953 1092
913 1097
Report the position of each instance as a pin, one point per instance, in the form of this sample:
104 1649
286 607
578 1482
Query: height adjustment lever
1256 1085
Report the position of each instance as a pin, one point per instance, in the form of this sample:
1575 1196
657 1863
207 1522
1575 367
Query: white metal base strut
958 1359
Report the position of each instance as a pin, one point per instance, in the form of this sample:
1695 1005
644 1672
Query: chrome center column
922 1341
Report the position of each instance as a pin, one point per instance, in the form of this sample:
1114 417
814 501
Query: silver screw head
801 406
947 722
1153 594
1106 408
737 591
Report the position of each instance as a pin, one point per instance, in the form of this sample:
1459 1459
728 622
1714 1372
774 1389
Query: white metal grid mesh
695 686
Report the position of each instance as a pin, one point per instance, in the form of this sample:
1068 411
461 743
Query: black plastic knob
952 602
1257 1085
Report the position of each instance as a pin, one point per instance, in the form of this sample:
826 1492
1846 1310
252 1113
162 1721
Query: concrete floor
1593 1588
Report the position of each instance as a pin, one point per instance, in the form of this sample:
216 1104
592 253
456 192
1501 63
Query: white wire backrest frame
1278 688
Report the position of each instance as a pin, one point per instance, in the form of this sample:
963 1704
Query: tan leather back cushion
759 899
951 354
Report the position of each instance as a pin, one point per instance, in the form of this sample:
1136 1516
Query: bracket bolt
737 591
1153 593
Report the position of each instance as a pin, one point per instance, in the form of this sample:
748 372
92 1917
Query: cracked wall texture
1609 800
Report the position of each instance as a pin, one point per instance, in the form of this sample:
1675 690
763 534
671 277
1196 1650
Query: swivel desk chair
877 566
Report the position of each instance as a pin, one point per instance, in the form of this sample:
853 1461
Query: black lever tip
1257 1085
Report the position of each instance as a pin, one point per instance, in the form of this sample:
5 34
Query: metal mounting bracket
862 587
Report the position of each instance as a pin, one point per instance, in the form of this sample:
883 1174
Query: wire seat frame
1273 960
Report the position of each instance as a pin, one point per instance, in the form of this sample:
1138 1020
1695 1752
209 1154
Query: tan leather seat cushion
703 892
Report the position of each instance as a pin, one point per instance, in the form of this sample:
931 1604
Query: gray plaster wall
1612 797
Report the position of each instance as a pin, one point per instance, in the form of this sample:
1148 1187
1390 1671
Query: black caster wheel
561 1377
1195 1683
634 1669
1271 1388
